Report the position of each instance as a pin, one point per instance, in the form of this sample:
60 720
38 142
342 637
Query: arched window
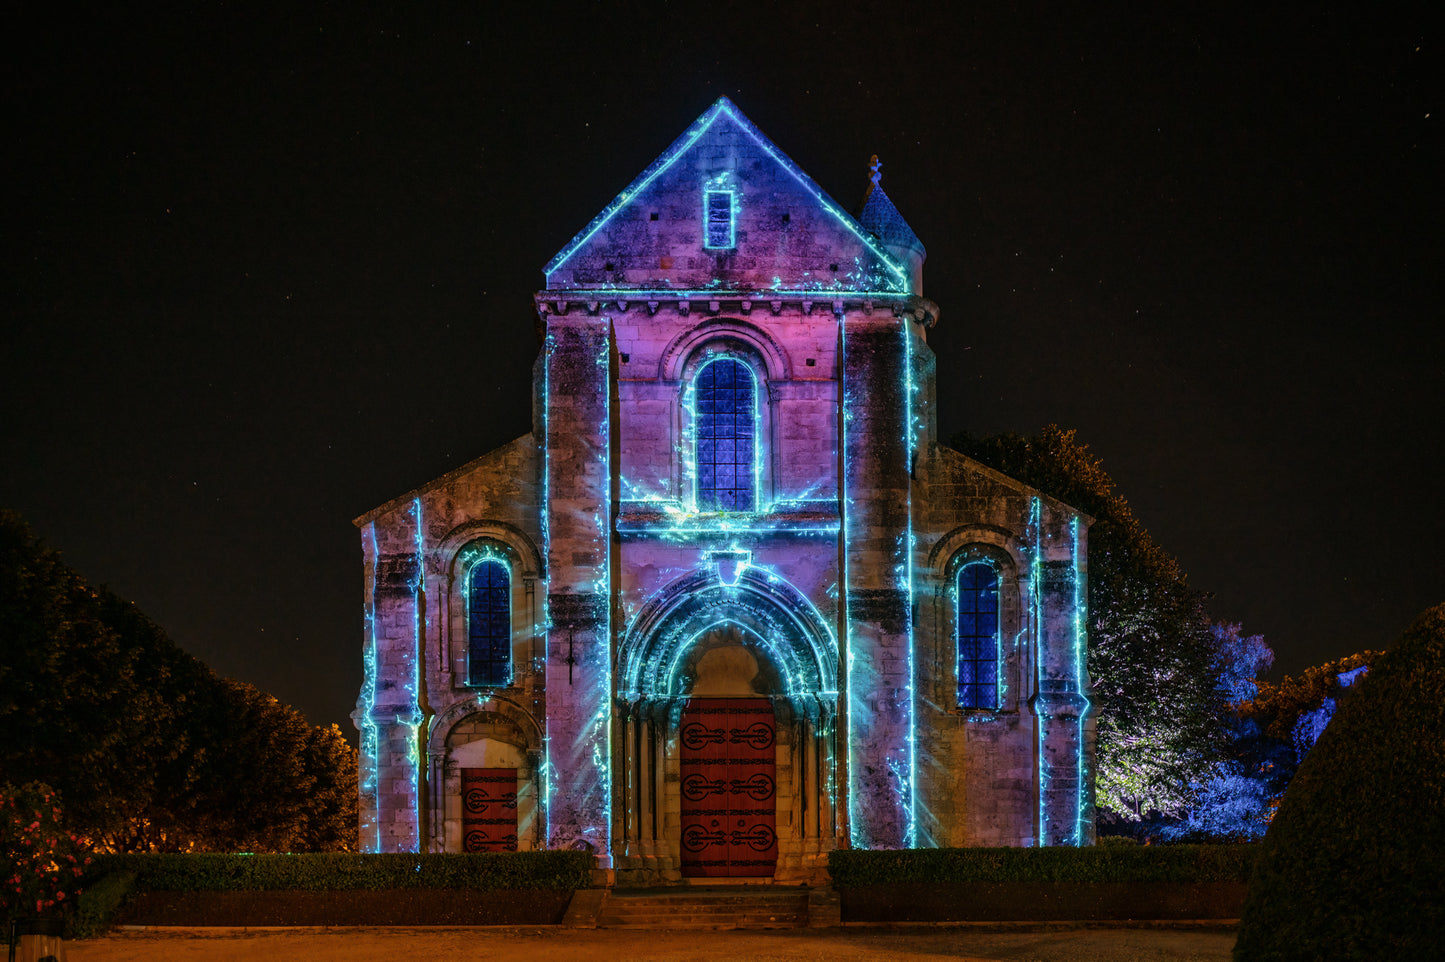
726 431
489 624
977 630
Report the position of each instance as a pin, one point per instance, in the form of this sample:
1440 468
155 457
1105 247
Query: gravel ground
921 944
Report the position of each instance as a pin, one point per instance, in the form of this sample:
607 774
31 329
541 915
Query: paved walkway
1035 943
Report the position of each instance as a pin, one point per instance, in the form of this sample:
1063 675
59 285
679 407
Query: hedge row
1113 863
211 872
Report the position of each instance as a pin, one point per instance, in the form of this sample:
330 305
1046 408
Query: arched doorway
727 751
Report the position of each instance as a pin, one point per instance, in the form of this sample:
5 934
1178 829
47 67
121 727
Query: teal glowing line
760 294
548 772
417 597
846 642
910 438
680 146
709 214
370 734
1080 670
603 523
1036 635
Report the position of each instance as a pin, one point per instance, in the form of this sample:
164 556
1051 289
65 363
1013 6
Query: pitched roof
723 149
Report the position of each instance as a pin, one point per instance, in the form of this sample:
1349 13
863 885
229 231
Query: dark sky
267 270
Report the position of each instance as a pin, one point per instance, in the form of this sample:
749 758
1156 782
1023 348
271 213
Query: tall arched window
726 432
977 630
489 624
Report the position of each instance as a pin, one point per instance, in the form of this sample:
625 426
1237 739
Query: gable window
726 434
977 630
718 215
489 624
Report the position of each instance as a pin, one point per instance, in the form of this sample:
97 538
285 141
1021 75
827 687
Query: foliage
151 750
335 871
98 904
1239 660
1278 708
851 868
1353 866
42 862
1152 657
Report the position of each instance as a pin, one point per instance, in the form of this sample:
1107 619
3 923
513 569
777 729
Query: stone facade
831 591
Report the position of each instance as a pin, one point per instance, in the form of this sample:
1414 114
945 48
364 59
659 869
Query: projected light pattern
370 736
726 429
489 623
415 719
1080 656
892 276
978 637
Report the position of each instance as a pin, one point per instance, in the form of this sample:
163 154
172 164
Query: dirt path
557 944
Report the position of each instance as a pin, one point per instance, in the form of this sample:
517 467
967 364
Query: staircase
702 907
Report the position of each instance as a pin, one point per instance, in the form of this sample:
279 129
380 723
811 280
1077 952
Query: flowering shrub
40 863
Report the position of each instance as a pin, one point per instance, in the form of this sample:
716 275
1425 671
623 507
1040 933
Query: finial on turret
875 167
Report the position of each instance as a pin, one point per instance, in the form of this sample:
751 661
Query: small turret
880 218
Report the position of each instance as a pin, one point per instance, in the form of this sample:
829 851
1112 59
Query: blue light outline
418 589
909 447
689 137
370 732
1080 669
689 440
483 552
707 215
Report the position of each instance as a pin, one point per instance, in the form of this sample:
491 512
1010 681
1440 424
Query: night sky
268 269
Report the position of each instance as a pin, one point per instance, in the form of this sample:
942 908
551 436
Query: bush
327 871
1353 866
1110 863
98 904
40 862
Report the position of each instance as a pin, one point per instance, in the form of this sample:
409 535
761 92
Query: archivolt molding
1003 541
529 559
777 617
678 355
498 706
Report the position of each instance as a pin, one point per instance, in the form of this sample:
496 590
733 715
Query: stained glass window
726 428
489 624
978 637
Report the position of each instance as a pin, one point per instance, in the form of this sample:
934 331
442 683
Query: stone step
705 909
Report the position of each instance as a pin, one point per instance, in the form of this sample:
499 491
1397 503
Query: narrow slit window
726 424
718 208
489 624
978 637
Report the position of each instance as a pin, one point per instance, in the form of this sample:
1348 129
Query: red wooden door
489 809
729 822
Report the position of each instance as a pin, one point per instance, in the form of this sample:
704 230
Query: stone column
876 532
578 524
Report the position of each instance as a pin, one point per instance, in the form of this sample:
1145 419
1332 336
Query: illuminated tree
1152 657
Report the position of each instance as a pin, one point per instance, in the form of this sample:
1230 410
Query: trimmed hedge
1114 863
1353 866
335 871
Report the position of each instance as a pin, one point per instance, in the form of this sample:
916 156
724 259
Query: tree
1353 866
149 748
1152 657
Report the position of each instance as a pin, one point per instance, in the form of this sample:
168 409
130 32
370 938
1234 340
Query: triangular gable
787 234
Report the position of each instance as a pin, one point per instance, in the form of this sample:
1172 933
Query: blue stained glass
977 631
726 429
489 624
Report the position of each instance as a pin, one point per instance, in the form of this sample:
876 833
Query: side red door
489 809
728 769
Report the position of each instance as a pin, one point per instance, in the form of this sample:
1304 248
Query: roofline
690 137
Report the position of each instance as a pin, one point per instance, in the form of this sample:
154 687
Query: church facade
730 604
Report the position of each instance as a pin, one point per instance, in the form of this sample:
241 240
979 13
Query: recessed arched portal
713 644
